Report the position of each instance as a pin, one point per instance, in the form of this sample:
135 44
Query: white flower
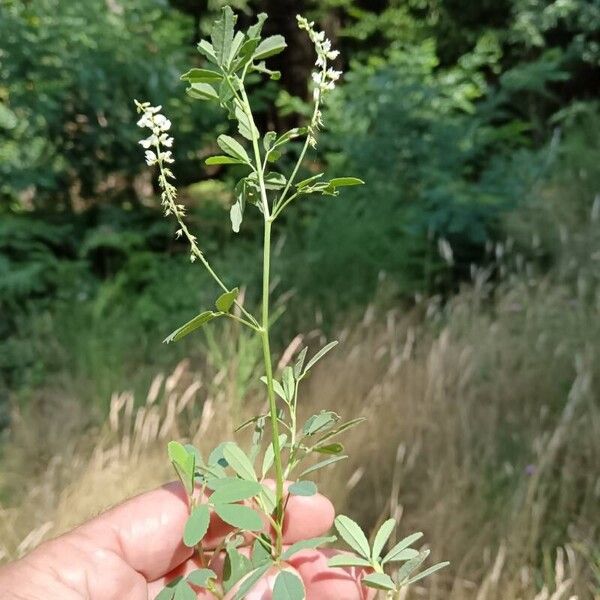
333 75
333 54
166 157
166 140
316 77
145 120
162 122
151 158
148 142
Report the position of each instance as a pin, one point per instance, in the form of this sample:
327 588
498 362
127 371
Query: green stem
271 392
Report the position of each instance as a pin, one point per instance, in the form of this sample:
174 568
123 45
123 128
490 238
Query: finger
145 532
323 582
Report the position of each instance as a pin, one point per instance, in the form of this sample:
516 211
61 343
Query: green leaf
427 572
343 427
329 449
348 560
275 181
219 159
268 498
236 215
202 91
226 300
197 322
233 148
235 490
255 30
309 544
400 546
382 536
238 461
318 356
246 127
168 591
277 387
353 535
222 35
269 47
289 383
323 463
201 577
288 587
240 516
184 592
345 181
261 554
379 581
201 76
268 140
319 422
246 52
300 362
217 456
409 567
303 488
250 582
308 181
206 48
273 75
236 566
184 463
196 526
236 45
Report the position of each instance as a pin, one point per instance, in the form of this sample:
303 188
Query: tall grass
486 409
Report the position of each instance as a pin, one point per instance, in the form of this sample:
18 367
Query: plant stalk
270 388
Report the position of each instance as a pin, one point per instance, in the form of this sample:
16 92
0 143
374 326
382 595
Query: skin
130 551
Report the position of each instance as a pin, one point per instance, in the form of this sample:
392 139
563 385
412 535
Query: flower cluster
324 77
158 125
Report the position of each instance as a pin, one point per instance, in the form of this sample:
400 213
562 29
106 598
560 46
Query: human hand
132 550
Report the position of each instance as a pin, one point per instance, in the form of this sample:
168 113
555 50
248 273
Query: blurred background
463 279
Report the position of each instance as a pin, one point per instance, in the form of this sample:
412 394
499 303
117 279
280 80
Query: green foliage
68 70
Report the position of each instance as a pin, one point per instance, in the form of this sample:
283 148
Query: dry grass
483 431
